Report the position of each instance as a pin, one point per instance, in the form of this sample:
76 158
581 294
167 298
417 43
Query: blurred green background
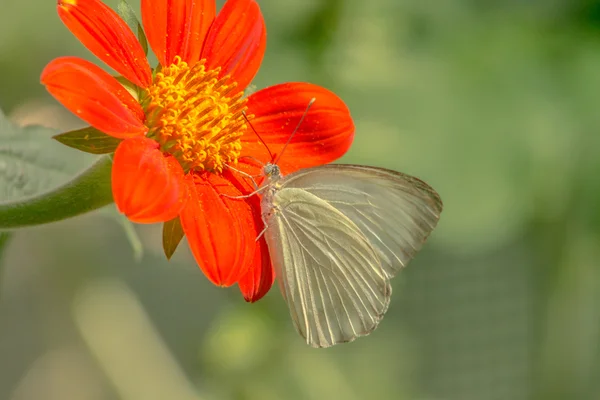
492 102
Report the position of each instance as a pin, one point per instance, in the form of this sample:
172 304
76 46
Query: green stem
4 239
86 192
132 236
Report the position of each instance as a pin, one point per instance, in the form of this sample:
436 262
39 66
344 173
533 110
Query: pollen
196 116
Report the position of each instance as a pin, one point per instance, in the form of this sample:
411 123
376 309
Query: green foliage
31 163
171 236
89 140
128 14
36 179
86 192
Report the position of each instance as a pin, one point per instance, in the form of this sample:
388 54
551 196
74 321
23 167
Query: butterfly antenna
310 103
259 138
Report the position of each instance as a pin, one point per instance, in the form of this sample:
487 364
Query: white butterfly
337 234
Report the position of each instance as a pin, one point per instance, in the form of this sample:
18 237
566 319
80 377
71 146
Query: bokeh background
492 102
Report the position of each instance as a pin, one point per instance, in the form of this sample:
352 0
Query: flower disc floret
194 117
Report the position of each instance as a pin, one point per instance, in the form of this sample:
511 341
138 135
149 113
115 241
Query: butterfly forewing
394 211
329 273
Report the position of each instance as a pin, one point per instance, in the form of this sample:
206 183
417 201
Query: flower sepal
126 12
89 140
134 90
171 236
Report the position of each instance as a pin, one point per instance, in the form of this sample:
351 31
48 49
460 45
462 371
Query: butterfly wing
329 274
395 212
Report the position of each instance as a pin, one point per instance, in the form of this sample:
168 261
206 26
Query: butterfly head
272 171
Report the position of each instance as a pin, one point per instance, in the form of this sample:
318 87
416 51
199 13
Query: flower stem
4 239
88 191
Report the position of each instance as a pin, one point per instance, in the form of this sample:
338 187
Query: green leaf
88 191
32 163
39 181
172 235
128 14
90 140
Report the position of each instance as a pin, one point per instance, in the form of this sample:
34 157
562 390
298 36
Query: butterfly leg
247 175
245 196
261 233
264 219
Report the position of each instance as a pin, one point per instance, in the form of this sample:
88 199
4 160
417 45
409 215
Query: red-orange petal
236 41
177 27
260 276
259 279
219 229
106 35
148 186
324 135
94 96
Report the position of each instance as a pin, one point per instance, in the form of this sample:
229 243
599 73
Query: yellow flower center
191 115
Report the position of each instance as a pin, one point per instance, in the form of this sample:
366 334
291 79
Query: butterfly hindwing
329 274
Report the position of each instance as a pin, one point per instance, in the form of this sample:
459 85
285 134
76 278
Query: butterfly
337 234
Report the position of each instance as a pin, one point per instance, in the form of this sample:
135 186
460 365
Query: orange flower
186 125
